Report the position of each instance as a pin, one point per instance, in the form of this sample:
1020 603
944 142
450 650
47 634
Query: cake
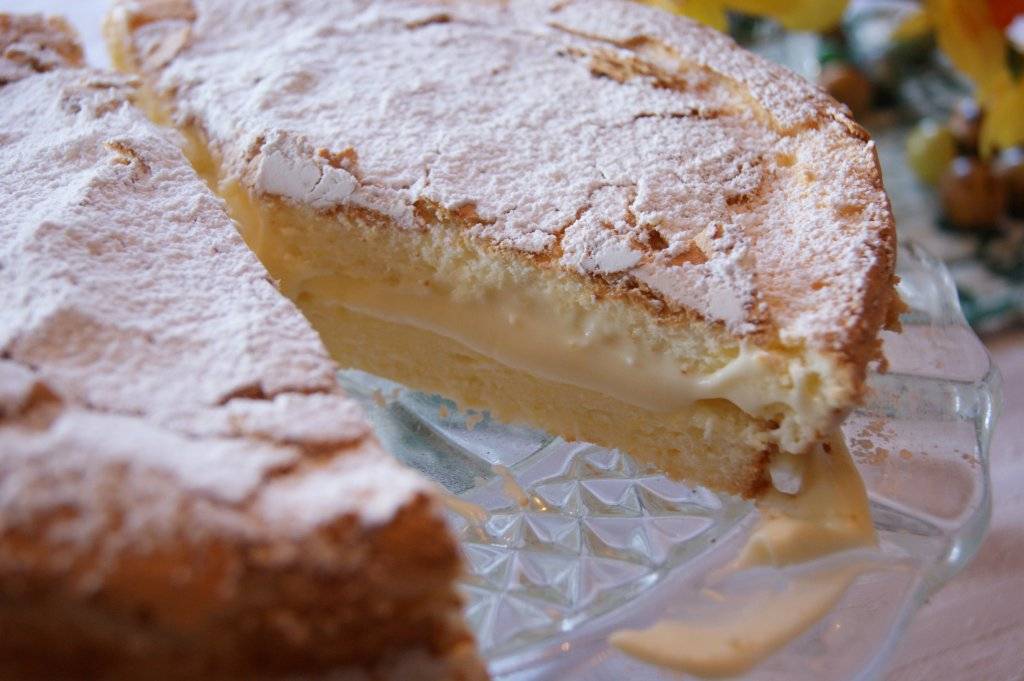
185 491
591 217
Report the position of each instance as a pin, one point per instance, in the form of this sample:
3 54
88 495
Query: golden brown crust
35 44
881 305
150 11
174 19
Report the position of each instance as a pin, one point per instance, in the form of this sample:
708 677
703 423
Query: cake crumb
970 458
473 419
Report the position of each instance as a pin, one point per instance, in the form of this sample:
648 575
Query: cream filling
590 350
828 514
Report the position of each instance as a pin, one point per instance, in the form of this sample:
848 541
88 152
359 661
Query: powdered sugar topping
638 147
139 331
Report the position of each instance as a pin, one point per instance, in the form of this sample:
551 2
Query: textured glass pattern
565 542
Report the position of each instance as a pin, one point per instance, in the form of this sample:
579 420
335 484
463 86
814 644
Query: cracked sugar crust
622 143
140 338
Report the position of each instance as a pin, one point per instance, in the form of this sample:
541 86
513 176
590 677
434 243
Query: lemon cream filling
582 348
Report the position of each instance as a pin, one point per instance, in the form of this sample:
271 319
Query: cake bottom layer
712 442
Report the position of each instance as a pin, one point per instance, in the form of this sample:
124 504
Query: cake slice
185 491
588 216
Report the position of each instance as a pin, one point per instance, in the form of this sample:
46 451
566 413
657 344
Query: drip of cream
512 489
828 514
477 515
474 514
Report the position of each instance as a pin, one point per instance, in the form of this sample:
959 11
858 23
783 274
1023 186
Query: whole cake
185 491
585 215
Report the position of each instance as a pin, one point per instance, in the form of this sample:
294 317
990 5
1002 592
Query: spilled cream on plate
828 514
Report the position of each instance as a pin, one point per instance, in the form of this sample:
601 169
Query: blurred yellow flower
797 15
973 34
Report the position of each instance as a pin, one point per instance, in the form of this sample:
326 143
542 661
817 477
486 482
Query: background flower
797 15
975 35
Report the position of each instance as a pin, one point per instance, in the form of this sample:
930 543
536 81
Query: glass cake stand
576 541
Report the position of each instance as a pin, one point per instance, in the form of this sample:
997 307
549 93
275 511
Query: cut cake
589 216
